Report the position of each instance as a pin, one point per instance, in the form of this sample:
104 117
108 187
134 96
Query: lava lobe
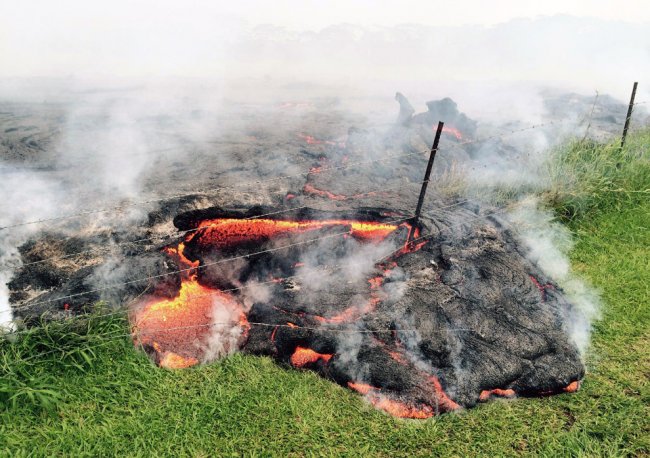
417 329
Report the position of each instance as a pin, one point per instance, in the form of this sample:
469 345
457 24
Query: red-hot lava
487 394
303 356
510 393
572 387
392 406
178 330
227 232
311 140
451 131
542 288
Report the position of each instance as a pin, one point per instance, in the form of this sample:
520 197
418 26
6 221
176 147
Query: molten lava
572 387
303 356
395 408
178 254
310 189
311 140
445 403
177 328
171 360
401 409
487 394
350 314
227 232
542 288
451 131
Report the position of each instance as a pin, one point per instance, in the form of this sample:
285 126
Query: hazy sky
41 16
311 14
151 38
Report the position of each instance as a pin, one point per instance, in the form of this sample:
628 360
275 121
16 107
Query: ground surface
83 390
120 404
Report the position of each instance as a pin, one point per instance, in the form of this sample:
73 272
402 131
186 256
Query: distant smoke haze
205 42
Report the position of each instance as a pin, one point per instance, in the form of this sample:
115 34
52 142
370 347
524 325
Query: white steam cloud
549 243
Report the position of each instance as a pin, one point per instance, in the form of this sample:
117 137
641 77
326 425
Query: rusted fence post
427 175
629 114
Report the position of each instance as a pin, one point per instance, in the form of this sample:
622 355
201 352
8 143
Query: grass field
100 397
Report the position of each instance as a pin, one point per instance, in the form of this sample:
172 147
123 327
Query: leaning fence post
629 114
427 174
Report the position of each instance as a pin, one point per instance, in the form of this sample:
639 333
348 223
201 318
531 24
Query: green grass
587 178
99 396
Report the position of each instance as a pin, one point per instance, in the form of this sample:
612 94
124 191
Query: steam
225 332
351 264
26 196
549 244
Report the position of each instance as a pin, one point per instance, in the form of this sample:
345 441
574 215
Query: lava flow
181 331
303 356
331 321
391 406
228 232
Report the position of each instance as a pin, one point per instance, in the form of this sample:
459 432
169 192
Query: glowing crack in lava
226 232
311 140
451 131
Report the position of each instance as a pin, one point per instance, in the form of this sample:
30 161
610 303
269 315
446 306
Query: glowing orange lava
400 409
224 232
445 403
391 406
311 140
487 394
451 130
362 388
178 330
303 356
178 254
309 189
175 327
171 360
572 387
397 357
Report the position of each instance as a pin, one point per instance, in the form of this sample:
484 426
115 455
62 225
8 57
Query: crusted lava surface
331 285
419 329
